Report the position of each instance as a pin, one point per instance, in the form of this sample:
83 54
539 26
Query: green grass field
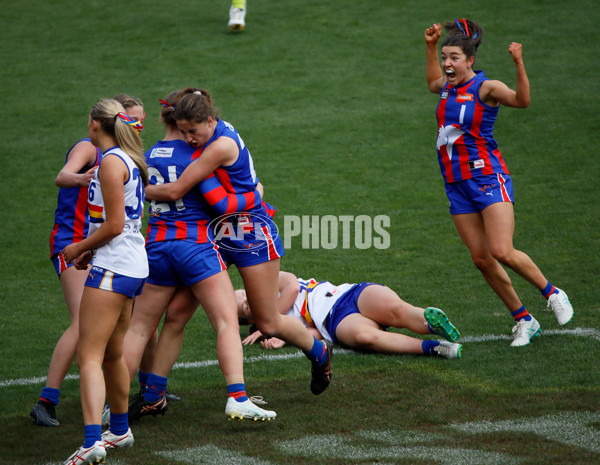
332 101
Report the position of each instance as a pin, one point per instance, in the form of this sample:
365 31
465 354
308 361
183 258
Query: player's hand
252 338
87 177
261 190
71 252
82 262
433 34
516 50
272 343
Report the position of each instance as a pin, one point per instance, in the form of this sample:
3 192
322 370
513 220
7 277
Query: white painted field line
581 332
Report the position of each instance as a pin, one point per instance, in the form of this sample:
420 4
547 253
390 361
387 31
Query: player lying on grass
357 315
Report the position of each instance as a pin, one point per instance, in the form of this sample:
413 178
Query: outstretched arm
433 71
494 92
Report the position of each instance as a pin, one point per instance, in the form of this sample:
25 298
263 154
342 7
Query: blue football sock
238 392
143 380
92 433
318 353
119 423
549 290
50 395
156 387
521 313
427 346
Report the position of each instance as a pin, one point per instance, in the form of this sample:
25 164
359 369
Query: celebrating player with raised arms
478 183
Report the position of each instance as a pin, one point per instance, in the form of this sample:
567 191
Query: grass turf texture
332 101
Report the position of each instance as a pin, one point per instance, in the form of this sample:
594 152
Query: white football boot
561 306
524 331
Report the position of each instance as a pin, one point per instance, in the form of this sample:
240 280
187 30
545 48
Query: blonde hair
106 112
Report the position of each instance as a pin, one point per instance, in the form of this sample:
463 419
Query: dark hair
195 106
167 114
465 34
128 101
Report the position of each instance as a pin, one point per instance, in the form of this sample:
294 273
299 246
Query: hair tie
465 31
128 120
466 27
198 92
459 26
165 104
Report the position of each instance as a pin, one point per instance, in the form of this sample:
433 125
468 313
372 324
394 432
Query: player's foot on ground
561 306
321 374
172 397
524 331
240 410
237 19
44 414
88 455
140 407
448 350
440 324
113 441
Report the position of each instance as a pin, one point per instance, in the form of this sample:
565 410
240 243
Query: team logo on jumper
162 152
464 98
477 164
247 232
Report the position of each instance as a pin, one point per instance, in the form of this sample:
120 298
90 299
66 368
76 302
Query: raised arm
494 92
82 155
223 151
433 71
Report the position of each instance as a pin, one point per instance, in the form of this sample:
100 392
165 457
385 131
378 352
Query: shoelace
258 400
521 329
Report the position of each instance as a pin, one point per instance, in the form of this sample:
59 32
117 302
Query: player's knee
503 255
267 328
483 263
177 318
366 339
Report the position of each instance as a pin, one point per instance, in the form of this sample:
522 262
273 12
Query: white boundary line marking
581 332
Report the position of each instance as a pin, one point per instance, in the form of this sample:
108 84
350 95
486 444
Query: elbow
296 287
172 195
114 228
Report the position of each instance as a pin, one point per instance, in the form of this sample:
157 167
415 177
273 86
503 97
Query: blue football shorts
475 194
177 262
60 264
101 278
251 239
344 306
